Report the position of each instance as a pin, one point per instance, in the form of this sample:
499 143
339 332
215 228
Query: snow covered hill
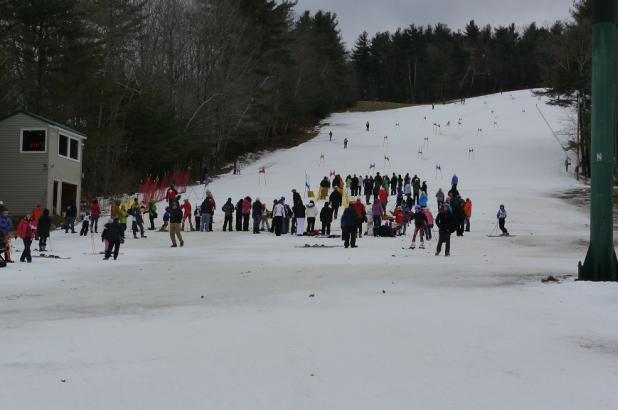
237 321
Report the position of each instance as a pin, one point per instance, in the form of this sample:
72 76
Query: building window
68 147
33 141
63 148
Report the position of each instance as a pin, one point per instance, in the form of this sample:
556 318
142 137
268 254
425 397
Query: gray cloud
387 15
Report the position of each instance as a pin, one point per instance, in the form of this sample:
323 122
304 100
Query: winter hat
417 208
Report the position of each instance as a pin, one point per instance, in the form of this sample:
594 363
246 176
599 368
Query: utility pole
601 263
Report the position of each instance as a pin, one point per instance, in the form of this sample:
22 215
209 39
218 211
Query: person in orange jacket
36 214
26 231
383 197
400 219
468 212
361 212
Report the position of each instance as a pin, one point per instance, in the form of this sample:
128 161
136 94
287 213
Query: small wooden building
40 163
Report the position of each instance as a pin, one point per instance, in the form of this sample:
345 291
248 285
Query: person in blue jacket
6 227
349 225
454 182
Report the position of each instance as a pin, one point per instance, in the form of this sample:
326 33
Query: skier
345 143
278 215
311 212
454 182
468 213
166 219
368 189
354 185
187 215
43 230
420 220
299 214
228 211
501 215
123 216
112 237
567 163
25 231
440 198
85 224
416 188
171 195
330 136
424 187
376 215
444 220
95 214
349 225
138 220
175 225
393 184
256 213
152 214
326 217
429 223
367 125
335 200
383 198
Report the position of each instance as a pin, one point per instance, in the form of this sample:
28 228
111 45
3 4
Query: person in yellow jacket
468 212
123 215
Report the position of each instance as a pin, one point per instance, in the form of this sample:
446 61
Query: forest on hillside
162 85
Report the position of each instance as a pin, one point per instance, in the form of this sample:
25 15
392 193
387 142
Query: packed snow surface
227 322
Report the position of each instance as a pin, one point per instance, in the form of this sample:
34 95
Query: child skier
420 220
501 215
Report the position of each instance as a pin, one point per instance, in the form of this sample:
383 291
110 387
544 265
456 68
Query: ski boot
413 246
422 246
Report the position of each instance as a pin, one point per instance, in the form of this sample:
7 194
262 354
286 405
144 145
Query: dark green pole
600 263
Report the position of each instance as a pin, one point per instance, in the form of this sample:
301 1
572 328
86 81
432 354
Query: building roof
45 120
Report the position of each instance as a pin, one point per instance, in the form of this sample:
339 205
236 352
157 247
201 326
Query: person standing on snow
95 214
368 189
468 213
345 143
26 231
246 213
349 225
324 186
43 229
175 225
278 215
70 216
429 223
238 209
330 136
501 215
444 220
299 215
112 238
311 212
420 220
335 200
6 226
264 225
326 218
166 220
394 184
454 182
376 215
256 213
367 125
361 214
228 211
383 198
416 188
187 215
152 214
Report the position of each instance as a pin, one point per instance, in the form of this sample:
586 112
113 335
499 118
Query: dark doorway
69 195
55 210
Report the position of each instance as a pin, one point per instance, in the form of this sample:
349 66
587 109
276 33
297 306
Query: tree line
159 85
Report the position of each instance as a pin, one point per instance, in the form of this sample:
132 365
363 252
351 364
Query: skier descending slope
501 215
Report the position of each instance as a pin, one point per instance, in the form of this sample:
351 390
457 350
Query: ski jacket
152 209
123 215
228 208
407 189
416 185
112 232
422 201
296 197
424 187
383 196
501 213
6 225
246 207
278 210
326 214
349 219
468 209
44 226
376 209
95 210
207 206
71 211
166 216
444 220
311 211
440 195
239 206
176 216
186 207
419 219
335 198
256 209
325 183
36 215
399 217
299 210
361 212
454 180
25 229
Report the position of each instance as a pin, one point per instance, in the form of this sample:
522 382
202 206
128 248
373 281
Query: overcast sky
382 15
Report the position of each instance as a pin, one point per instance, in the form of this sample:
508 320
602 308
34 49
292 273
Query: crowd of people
391 205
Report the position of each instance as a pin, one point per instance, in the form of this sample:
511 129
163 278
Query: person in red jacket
400 219
26 231
95 213
361 212
186 207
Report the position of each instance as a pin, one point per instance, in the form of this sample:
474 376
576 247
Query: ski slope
238 321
